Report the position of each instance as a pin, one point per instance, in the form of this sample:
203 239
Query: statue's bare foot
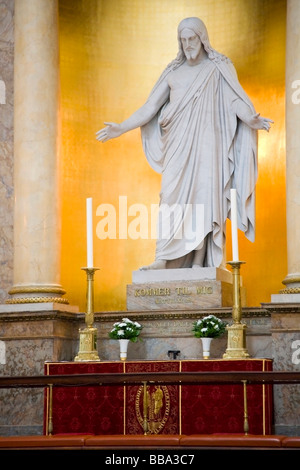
159 264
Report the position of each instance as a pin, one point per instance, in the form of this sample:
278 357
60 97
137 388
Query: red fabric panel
207 409
163 417
92 410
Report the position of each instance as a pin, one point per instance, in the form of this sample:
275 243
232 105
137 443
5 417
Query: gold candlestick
88 335
236 343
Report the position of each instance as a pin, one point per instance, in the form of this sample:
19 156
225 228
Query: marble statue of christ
199 130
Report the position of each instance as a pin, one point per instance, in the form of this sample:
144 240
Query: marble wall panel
190 348
161 335
286 354
21 412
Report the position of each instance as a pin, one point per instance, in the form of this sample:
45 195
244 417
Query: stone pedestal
177 289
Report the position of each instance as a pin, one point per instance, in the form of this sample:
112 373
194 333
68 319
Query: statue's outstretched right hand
111 131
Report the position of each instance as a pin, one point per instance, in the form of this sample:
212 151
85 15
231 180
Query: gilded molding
178 315
29 300
291 280
282 307
40 316
17 290
105 317
290 290
38 289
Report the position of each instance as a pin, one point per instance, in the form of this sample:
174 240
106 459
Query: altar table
172 409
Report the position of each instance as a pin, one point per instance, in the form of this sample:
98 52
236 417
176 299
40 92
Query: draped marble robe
202 149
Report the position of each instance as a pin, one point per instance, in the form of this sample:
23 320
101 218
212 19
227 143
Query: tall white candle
89 231
234 228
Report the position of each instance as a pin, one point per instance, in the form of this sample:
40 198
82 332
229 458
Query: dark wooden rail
205 378
175 378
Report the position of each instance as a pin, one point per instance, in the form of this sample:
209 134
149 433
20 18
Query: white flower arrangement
126 329
209 327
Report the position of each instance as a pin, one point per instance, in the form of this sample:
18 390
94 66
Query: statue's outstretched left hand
260 123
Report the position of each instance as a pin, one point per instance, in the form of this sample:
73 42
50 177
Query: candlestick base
87 345
236 343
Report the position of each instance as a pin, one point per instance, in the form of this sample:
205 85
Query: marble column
292 280
36 154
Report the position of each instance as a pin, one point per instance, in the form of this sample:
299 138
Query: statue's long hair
196 25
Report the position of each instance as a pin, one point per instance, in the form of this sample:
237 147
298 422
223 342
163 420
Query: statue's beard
191 55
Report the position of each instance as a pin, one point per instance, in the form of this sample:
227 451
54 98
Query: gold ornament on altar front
88 335
236 342
152 407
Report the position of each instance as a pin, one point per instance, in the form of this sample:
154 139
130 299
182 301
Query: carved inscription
177 291
174 295
152 292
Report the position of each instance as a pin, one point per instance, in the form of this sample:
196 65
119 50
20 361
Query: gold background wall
111 53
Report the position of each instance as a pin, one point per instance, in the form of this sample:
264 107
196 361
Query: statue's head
196 25
199 28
